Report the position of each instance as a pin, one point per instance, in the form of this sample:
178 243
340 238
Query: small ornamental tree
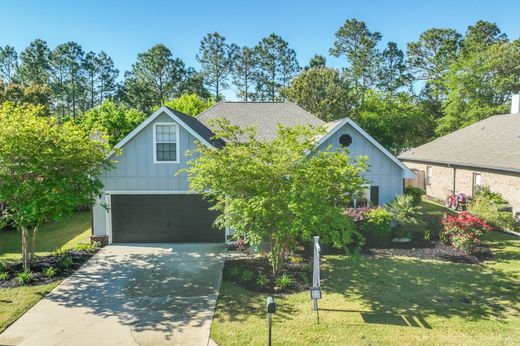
281 191
46 169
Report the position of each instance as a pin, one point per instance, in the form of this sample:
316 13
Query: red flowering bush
463 230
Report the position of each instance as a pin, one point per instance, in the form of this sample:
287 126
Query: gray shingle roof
198 127
265 116
492 143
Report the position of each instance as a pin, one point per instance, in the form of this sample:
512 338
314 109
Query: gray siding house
145 201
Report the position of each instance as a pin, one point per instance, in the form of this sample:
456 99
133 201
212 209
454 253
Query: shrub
50 272
66 261
58 252
378 224
262 280
4 276
406 214
234 272
463 230
357 214
296 259
416 193
246 276
489 206
282 281
24 277
87 247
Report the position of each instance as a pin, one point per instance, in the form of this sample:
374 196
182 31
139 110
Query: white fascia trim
150 119
154 134
408 174
158 192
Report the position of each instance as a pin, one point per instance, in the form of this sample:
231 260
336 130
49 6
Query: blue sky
125 28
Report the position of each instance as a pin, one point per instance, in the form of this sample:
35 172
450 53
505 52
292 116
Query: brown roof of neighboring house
492 143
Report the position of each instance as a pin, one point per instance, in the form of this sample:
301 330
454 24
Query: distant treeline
441 82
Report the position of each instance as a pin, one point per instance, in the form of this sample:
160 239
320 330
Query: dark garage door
163 218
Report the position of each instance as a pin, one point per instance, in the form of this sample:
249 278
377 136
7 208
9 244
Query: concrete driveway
139 294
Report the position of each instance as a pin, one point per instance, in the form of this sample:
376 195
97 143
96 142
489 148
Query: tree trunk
34 235
277 257
25 249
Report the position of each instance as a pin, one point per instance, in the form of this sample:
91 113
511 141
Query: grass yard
388 301
66 233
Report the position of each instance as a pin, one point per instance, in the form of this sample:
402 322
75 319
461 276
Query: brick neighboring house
486 153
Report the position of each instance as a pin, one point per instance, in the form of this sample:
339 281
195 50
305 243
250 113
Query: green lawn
388 301
67 233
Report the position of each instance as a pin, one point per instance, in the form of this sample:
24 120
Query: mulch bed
42 263
433 251
299 273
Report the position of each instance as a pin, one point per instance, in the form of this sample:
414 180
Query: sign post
315 289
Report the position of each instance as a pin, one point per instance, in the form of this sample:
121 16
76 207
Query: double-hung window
166 141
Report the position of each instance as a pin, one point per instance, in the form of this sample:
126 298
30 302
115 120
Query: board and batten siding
382 171
135 170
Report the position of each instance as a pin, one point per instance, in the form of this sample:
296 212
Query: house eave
461 165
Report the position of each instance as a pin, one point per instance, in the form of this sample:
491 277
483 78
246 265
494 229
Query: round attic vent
345 140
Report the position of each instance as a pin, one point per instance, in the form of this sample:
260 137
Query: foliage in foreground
46 169
276 190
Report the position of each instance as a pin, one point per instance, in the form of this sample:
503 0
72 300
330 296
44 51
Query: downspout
454 185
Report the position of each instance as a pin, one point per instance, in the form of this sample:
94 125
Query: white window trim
177 149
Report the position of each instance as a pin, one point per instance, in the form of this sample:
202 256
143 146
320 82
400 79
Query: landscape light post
271 309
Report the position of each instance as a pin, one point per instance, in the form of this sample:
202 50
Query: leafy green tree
395 121
190 104
274 190
8 63
429 59
243 72
277 65
359 46
392 73
46 169
35 64
324 92
317 61
154 78
113 119
215 57
17 93
480 85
